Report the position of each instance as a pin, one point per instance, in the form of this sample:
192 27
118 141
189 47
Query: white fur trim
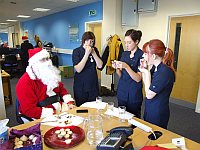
30 72
50 91
57 106
38 56
46 112
67 98
65 107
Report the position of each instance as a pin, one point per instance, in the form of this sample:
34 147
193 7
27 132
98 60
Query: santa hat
24 38
35 55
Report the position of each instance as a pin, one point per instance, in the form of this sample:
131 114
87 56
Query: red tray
51 139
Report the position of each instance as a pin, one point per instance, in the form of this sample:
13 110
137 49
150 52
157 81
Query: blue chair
20 117
10 64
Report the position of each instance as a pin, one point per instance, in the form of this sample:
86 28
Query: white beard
48 74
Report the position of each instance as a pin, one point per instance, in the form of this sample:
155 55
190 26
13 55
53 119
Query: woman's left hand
121 65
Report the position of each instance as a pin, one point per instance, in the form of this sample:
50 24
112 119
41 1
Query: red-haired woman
158 81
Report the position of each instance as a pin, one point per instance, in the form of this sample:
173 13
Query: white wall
152 25
2 104
14 29
155 25
111 25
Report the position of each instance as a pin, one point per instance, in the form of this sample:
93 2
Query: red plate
51 138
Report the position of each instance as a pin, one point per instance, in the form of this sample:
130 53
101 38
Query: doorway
15 39
96 28
184 40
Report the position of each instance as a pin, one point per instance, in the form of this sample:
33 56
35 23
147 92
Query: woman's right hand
143 63
88 49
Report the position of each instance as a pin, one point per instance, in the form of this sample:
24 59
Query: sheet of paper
115 113
94 104
179 141
167 145
62 120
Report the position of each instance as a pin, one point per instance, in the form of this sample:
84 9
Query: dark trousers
82 97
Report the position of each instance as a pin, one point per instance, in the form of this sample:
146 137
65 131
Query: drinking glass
122 110
98 99
110 107
94 131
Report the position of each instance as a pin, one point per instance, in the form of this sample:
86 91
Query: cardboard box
67 71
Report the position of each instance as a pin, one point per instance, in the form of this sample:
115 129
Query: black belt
49 100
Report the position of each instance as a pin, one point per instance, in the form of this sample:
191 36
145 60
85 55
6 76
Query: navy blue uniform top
157 108
87 79
127 87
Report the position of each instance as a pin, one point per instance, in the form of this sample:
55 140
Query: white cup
122 110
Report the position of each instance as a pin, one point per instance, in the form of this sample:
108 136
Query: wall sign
73 33
92 12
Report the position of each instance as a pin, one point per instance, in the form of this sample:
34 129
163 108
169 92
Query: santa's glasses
44 59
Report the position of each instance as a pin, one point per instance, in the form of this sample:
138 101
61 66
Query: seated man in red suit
40 91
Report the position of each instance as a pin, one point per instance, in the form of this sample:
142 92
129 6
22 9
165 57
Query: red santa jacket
29 92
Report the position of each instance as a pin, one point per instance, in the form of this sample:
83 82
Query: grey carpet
183 121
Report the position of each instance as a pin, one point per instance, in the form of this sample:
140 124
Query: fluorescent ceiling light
72 0
3 23
41 9
23 16
11 20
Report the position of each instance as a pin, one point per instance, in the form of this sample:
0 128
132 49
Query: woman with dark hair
158 81
129 91
86 59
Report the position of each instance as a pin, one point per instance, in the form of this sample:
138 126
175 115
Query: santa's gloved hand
68 99
66 107
57 106
68 103
46 112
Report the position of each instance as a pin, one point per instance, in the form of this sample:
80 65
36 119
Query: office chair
21 119
10 64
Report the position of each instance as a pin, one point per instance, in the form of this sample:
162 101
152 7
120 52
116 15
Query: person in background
129 90
158 81
5 45
86 59
39 89
38 41
25 46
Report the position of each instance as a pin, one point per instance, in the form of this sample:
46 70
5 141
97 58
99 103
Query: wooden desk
6 87
139 137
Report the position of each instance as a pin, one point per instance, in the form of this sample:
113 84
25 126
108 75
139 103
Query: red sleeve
61 89
28 100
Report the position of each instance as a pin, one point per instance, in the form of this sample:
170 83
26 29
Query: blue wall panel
55 28
3 37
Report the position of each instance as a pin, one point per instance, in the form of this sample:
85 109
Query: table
139 137
6 87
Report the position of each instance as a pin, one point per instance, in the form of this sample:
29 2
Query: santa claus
40 87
